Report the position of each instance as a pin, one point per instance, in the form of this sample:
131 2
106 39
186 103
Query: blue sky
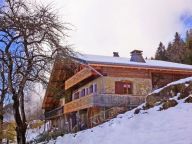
1 1
186 19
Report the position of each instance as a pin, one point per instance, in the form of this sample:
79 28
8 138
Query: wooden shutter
119 87
130 88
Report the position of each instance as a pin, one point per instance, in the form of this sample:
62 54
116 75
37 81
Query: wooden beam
78 77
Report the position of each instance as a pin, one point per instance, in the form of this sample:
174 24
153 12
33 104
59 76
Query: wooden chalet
100 87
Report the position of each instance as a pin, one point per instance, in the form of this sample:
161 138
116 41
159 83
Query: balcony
54 113
104 100
78 77
113 100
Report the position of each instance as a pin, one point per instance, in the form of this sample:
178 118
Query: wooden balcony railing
78 104
54 113
104 100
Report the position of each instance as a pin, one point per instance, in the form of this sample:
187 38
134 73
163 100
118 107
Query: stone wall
141 86
106 84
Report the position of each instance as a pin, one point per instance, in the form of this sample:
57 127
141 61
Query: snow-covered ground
31 134
171 126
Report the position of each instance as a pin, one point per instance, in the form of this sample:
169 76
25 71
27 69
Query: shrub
188 100
137 110
168 104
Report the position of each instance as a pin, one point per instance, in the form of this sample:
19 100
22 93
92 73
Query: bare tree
3 91
30 36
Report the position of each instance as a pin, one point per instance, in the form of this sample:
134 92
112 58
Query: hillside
166 117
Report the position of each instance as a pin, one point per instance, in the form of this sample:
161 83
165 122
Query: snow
126 61
150 127
181 81
32 134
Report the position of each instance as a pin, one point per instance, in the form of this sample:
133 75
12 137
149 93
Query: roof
99 59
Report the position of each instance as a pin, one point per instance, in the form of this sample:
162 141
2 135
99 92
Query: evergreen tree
161 52
168 51
176 52
189 38
188 58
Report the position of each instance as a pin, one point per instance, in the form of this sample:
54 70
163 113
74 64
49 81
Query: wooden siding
160 80
126 72
78 77
59 74
103 100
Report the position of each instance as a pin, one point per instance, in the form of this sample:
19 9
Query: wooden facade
97 92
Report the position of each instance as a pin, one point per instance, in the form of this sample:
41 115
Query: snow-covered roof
89 58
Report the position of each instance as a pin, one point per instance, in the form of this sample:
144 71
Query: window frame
91 89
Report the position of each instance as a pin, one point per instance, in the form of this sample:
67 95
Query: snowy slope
171 126
32 133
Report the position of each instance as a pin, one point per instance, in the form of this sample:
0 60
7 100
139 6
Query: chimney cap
137 51
115 54
136 56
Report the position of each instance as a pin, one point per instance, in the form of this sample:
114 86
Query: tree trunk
21 139
21 126
1 123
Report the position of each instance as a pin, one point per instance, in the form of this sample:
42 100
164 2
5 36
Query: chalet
100 87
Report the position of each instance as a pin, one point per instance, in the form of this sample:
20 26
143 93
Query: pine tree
176 52
161 52
189 38
168 51
188 58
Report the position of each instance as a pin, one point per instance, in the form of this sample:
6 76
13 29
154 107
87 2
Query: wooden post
104 114
45 125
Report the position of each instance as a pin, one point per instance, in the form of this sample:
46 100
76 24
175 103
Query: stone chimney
136 56
115 54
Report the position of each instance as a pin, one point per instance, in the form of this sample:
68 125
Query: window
123 87
95 88
127 88
82 92
76 95
91 89
86 91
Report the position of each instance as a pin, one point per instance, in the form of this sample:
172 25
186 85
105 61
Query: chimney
115 54
136 56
